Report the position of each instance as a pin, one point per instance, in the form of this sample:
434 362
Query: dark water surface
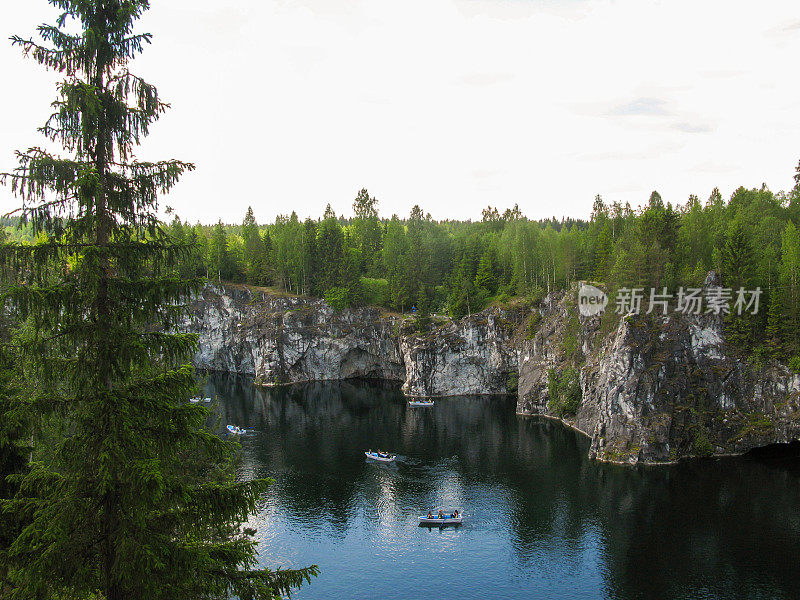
541 520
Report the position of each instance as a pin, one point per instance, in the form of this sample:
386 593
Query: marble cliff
653 389
288 339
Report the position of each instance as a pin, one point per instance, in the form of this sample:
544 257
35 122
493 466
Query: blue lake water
540 519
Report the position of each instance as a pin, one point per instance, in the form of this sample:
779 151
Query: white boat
420 402
236 430
206 400
381 456
435 521
195 400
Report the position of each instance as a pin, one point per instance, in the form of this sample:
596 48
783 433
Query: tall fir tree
368 231
220 261
486 275
774 330
330 249
737 273
310 259
137 501
394 250
253 247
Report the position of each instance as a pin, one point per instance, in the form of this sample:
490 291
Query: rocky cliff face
656 389
652 389
285 339
460 358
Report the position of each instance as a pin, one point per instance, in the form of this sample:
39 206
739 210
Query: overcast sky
451 104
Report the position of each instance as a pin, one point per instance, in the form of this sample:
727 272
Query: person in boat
441 516
429 515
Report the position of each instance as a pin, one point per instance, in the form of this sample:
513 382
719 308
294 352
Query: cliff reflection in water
542 520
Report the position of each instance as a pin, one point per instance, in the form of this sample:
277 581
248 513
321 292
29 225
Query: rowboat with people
380 455
441 519
420 402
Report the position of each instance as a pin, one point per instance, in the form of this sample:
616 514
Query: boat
207 400
380 456
195 400
236 430
420 402
435 521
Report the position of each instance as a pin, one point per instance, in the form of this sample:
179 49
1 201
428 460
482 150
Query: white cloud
452 104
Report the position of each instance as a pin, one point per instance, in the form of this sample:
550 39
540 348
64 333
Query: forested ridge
458 267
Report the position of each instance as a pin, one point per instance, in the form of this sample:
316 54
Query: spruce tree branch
59 60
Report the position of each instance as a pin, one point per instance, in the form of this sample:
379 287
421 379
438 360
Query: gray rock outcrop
657 388
288 339
653 389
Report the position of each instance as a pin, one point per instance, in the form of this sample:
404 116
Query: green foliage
758 356
367 232
564 391
794 364
14 428
534 320
774 330
459 267
571 343
376 291
221 260
338 298
512 383
128 495
757 425
702 445
486 276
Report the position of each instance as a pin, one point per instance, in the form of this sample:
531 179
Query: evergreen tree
13 455
737 258
253 247
485 277
368 232
790 282
196 263
737 271
416 263
330 248
773 333
603 254
264 261
394 251
135 502
220 260
310 258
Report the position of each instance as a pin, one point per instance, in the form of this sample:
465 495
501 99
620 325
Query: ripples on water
540 520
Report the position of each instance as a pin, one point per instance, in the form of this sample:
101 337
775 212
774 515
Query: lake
540 519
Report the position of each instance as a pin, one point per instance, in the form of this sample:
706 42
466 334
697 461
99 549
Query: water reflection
541 521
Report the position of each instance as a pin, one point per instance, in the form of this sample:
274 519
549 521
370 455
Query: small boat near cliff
420 402
236 430
448 518
380 456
